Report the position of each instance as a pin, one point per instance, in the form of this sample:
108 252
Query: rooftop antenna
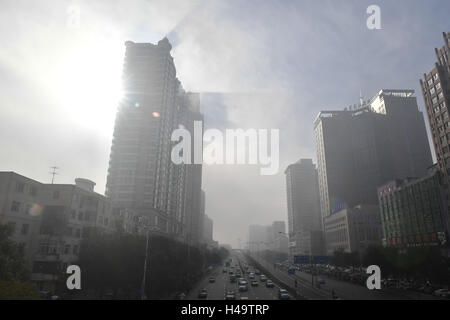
54 173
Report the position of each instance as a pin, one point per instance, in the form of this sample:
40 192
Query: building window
67 249
438 86
440 95
77 233
15 206
447 161
436 109
432 91
75 249
25 228
20 187
430 82
434 100
445 115
435 76
80 215
56 194
33 191
12 225
43 248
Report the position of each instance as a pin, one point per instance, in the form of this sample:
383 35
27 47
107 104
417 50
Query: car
244 298
230 295
212 279
254 283
232 279
203 294
443 293
243 288
269 283
224 270
180 296
427 289
257 272
283 294
320 281
242 283
263 278
251 275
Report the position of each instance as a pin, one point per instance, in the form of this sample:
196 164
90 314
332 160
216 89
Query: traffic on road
237 279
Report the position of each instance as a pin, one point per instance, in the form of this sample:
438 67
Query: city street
218 289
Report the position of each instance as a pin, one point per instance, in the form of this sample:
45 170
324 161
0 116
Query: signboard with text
301 259
321 260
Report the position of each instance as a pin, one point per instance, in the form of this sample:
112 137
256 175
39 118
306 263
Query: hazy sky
259 64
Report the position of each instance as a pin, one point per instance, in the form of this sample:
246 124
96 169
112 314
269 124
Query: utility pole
53 173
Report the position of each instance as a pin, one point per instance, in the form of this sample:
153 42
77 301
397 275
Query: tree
345 259
385 258
14 275
115 264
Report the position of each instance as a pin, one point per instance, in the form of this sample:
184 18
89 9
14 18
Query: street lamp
289 235
149 228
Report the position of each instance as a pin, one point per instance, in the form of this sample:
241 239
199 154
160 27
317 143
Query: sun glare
88 84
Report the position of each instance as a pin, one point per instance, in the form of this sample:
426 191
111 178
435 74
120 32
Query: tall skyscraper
208 229
276 237
436 94
257 237
303 205
141 175
365 146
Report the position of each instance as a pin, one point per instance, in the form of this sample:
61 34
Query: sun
88 83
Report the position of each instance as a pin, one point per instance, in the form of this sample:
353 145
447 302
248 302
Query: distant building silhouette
304 219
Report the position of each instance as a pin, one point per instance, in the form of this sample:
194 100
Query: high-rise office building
141 175
303 207
208 230
277 239
414 212
365 146
257 237
436 94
